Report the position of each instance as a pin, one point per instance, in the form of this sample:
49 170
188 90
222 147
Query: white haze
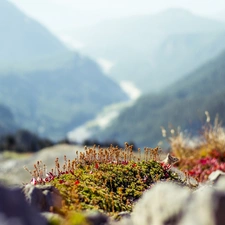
59 15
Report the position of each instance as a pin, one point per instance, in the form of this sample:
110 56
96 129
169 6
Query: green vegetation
109 180
182 104
199 158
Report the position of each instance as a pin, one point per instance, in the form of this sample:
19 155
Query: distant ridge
153 51
182 104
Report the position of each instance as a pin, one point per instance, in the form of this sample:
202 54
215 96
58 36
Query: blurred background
103 71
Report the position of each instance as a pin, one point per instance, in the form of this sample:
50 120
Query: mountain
153 51
25 41
7 122
47 88
182 104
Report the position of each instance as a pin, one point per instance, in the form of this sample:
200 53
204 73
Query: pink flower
39 180
203 161
33 181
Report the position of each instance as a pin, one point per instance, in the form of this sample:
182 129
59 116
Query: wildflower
39 180
165 166
46 179
76 182
33 181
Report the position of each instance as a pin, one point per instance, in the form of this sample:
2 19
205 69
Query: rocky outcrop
166 203
161 205
43 198
170 204
14 210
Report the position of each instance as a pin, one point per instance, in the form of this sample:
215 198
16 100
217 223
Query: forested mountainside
182 104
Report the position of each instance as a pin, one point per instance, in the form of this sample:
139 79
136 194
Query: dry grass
211 138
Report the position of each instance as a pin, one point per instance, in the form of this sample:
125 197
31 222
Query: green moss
75 218
110 187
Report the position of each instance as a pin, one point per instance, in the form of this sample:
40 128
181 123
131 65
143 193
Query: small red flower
96 166
61 181
33 181
76 182
46 179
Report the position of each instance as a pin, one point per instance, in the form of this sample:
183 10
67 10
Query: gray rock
53 218
42 197
220 184
163 204
14 210
200 209
123 221
169 204
206 208
216 175
187 180
96 218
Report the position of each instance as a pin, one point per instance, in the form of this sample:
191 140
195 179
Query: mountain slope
7 123
23 39
54 102
136 46
182 104
49 89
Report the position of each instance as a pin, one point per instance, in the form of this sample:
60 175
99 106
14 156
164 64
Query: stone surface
96 218
42 197
12 171
170 204
163 204
216 175
53 218
14 210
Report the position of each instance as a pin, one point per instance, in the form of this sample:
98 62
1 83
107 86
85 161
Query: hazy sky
64 14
